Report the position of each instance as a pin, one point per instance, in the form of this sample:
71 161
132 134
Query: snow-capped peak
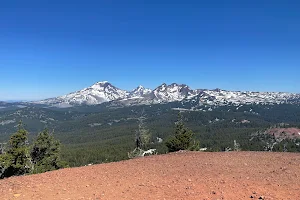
96 94
173 92
104 86
101 82
140 88
140 91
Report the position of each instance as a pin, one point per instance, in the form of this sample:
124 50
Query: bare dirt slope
292 133
182 175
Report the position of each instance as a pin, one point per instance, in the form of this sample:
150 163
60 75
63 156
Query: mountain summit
98 93
173 92
139 92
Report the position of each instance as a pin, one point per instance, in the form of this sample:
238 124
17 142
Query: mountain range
89 121
104 91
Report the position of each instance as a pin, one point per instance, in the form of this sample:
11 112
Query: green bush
195 146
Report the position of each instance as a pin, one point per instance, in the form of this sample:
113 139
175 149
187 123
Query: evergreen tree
182 137
45 153
17 161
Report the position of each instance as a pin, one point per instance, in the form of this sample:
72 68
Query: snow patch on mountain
223 97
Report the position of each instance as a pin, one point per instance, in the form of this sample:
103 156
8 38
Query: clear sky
50 48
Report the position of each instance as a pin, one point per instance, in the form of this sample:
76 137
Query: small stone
261 197
189 180
17 195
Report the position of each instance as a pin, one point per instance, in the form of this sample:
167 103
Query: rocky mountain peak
140 91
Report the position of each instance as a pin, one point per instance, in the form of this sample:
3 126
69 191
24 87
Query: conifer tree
17 161
45 153
182 137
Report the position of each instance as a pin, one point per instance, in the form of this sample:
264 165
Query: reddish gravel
292 133
182 175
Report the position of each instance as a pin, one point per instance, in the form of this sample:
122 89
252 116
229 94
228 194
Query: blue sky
50 48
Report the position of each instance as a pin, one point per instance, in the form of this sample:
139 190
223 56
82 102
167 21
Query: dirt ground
182 175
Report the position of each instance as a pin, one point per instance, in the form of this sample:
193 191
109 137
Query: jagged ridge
102 92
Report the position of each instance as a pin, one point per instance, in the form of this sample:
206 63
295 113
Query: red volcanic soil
291 133
182 175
